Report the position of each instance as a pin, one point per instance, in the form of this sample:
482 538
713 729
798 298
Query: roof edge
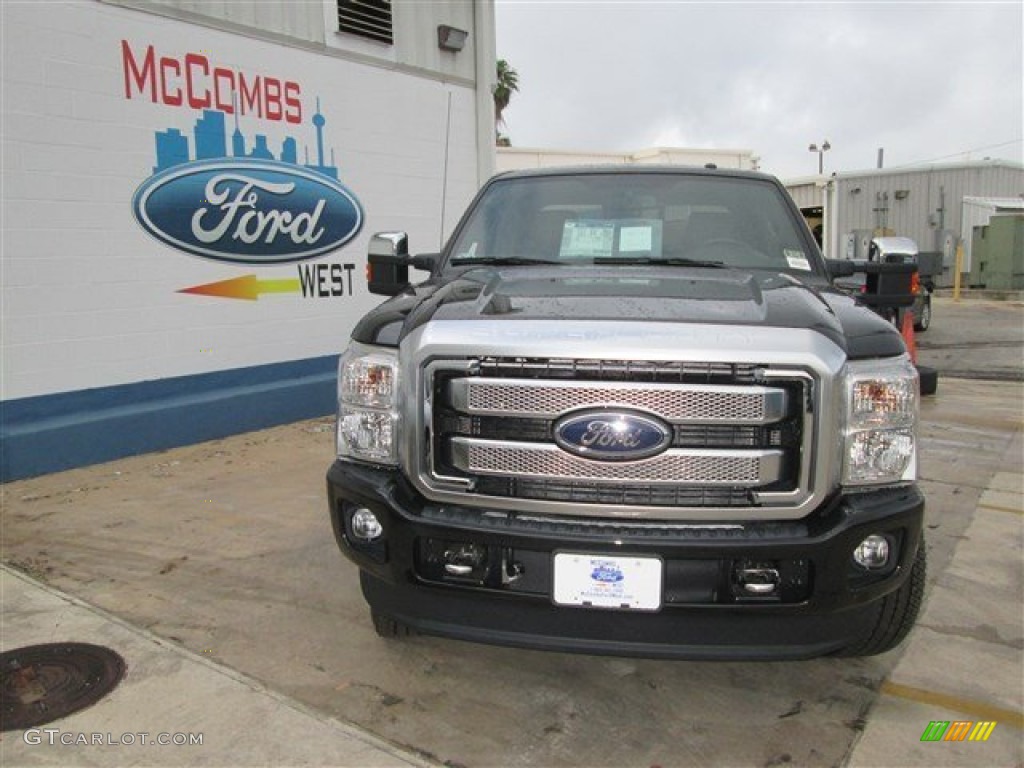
905 169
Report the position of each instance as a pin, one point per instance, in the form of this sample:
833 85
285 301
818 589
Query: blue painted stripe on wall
50 433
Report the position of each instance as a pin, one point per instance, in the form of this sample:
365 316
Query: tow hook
511 570
758 580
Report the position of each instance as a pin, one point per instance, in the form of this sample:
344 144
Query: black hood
634 294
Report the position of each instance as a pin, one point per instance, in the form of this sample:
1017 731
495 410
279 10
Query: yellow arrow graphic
246 287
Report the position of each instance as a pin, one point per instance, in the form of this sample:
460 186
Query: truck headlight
880 430
367 404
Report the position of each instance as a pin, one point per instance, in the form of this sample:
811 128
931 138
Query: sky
926 81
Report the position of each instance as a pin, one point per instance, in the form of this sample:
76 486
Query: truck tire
387 627
922 322
896 614
929 379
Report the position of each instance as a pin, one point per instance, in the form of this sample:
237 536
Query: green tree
507 82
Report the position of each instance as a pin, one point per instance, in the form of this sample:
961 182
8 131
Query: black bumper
823 603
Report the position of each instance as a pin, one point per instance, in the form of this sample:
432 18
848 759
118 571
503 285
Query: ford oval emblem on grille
608 435
247 211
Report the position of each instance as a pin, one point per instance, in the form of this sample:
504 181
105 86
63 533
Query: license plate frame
608 582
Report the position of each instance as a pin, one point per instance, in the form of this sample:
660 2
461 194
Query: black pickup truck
627 413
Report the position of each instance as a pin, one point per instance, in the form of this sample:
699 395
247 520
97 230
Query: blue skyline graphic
210 139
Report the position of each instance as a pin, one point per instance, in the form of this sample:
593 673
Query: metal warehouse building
189 189
923 203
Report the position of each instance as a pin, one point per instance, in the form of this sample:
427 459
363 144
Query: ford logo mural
247 211
607 435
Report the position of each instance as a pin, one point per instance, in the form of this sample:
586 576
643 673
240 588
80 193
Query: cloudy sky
927 81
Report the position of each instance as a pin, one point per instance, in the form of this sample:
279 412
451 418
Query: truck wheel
929 379
895 614
921 323
385 626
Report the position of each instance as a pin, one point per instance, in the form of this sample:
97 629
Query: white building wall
296 19
807 193
314 24
116 338
516 158
90 299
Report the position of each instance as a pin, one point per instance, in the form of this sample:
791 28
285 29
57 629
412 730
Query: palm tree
507 81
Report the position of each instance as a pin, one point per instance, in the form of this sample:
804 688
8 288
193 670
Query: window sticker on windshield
587 238
797 260
635 239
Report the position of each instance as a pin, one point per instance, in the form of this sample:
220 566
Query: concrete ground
174 707
212 569
976 339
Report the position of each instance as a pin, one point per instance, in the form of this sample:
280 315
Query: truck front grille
737 434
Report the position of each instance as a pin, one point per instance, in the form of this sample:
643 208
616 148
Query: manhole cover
43 683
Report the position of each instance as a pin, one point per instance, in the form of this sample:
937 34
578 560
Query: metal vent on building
367 18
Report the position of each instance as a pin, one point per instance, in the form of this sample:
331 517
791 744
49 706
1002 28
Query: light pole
825 147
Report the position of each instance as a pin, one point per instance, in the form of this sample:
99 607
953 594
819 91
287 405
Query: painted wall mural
185 201
228 195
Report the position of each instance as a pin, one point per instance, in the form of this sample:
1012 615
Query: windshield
696 220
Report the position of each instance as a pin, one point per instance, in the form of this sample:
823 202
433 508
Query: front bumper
822 603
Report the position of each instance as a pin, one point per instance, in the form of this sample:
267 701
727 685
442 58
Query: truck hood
634 294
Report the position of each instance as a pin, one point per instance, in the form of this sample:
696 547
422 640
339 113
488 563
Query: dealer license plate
608 581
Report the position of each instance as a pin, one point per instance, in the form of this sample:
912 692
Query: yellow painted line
955 703
997 508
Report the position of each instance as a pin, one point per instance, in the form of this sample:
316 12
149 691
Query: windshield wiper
670 262
500 261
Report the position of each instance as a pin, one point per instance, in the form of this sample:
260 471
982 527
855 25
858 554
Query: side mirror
388 263
840 267
889 284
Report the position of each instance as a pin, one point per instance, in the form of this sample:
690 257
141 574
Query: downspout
826 226
830 214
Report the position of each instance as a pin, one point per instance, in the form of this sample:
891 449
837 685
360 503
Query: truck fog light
873 552
365 525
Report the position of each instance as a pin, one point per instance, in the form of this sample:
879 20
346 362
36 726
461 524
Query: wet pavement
976 339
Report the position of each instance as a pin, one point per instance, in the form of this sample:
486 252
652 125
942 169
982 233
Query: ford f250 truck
627 413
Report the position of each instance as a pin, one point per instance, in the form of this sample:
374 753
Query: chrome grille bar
676 403
678 466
